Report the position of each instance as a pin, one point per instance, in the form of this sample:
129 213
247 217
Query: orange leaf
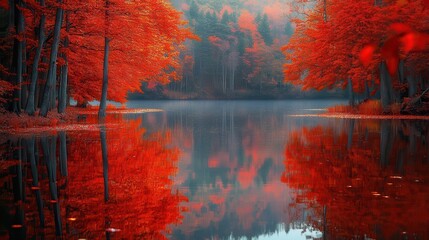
366 54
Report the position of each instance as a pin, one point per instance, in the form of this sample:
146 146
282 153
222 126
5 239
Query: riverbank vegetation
367 47
52 51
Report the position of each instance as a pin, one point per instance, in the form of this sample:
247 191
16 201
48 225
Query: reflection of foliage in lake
140 202
371 178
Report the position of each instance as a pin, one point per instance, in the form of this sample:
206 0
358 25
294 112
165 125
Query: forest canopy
53 50
365 46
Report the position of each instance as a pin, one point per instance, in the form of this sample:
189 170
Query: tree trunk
103 100
53 96
367 93
62 95
412 85
386 88
50 82
24 86
30 106
39 90
350 91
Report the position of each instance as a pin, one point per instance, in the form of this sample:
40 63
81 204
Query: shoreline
363 116
75 119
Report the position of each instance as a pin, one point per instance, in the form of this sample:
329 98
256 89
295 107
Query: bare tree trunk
50 82
412 85
30 106
367 93
386 88
53 96
103 100
24 86
351 93
62 95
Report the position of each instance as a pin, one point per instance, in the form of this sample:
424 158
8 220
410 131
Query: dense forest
239 54
52 51
364 46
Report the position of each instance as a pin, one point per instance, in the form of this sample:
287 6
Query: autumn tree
137 33
324 54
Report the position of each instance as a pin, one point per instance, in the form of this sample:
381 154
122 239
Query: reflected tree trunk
386 141
63 153
30 147
350 135
17 181
49 152
105 162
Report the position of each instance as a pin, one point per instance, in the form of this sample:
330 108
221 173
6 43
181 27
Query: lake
218 170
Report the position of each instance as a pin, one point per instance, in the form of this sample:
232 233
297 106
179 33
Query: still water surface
219 170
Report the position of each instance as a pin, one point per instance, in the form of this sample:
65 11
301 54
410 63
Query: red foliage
351 40
141 202
138 40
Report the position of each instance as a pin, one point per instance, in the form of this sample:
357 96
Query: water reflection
96 184
356 179
230 167
219 170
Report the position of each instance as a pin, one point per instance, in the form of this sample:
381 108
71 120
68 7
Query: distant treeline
238 56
